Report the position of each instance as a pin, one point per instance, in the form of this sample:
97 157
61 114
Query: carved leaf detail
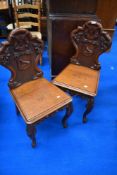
89 41
19 55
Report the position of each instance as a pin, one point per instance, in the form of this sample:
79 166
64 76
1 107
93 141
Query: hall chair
34 96
28 16
81 76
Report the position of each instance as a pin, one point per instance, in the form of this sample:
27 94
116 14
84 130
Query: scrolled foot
64 123
84 119
34 143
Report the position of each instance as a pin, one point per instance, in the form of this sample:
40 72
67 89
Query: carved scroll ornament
90 41
19 55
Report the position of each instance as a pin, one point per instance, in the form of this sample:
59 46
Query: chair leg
31 131
17 110
69 110
89 107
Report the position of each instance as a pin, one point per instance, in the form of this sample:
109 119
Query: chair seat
37 34
78 78
38 98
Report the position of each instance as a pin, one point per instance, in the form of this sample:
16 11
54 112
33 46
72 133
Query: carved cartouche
89 41
20 55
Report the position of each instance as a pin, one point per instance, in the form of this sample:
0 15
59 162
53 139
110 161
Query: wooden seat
81 76
38 98
35 99
28 16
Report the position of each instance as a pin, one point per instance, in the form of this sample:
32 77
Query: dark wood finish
72 7
82 76
89 107
35 99
60 45
69 110
64 16
20 55
31 131
107 12
89 41
43 8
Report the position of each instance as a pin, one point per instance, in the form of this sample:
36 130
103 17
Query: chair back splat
89 41
19 55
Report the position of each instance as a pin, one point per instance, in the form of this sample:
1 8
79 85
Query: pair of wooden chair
37 99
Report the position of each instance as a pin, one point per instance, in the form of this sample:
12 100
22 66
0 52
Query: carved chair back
89 41
19 55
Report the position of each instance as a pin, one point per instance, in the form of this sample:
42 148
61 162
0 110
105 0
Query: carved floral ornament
90 41
19 54
20 42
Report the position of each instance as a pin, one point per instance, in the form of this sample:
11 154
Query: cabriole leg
69 110
89 107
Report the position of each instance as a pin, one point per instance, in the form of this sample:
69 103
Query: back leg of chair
69 110
31 131
89 107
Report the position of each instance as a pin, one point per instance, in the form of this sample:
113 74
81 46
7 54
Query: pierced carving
89 41
20 55
5 59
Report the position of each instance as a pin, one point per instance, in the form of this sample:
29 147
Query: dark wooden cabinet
72 6
44 19
66 15
107 12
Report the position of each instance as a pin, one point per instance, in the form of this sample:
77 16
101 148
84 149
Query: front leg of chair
69 110
89 107
31 131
